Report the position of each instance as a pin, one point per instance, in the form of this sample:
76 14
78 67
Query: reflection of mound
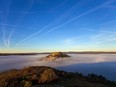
55 55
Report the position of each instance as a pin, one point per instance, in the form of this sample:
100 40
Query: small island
54 56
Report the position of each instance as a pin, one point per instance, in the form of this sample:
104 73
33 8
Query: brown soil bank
42 76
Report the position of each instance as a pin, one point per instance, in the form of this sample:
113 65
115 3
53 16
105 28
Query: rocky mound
55 55
48 76
42 76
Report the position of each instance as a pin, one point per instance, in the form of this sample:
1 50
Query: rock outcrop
54 56
43 76
48 76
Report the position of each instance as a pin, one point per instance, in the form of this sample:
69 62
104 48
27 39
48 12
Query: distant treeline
91 52
85 52
8 54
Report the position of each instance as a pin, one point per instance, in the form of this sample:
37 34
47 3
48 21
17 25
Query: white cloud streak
21 19
60 5
60 18
4 37
31 36
102 36
17 26
5 20
71 41
9 38
83 14
56 21
105 37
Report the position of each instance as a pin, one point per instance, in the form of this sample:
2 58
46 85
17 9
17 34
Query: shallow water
103 64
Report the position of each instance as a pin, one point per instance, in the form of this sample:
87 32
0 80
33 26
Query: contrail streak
59 5
25 13
102 37
11 25
9 37
31 36
102 31
5 20
21 19
4 24
7 40
74 18
56 21
4 38
83 14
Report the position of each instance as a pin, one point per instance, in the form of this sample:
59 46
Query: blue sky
57 25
